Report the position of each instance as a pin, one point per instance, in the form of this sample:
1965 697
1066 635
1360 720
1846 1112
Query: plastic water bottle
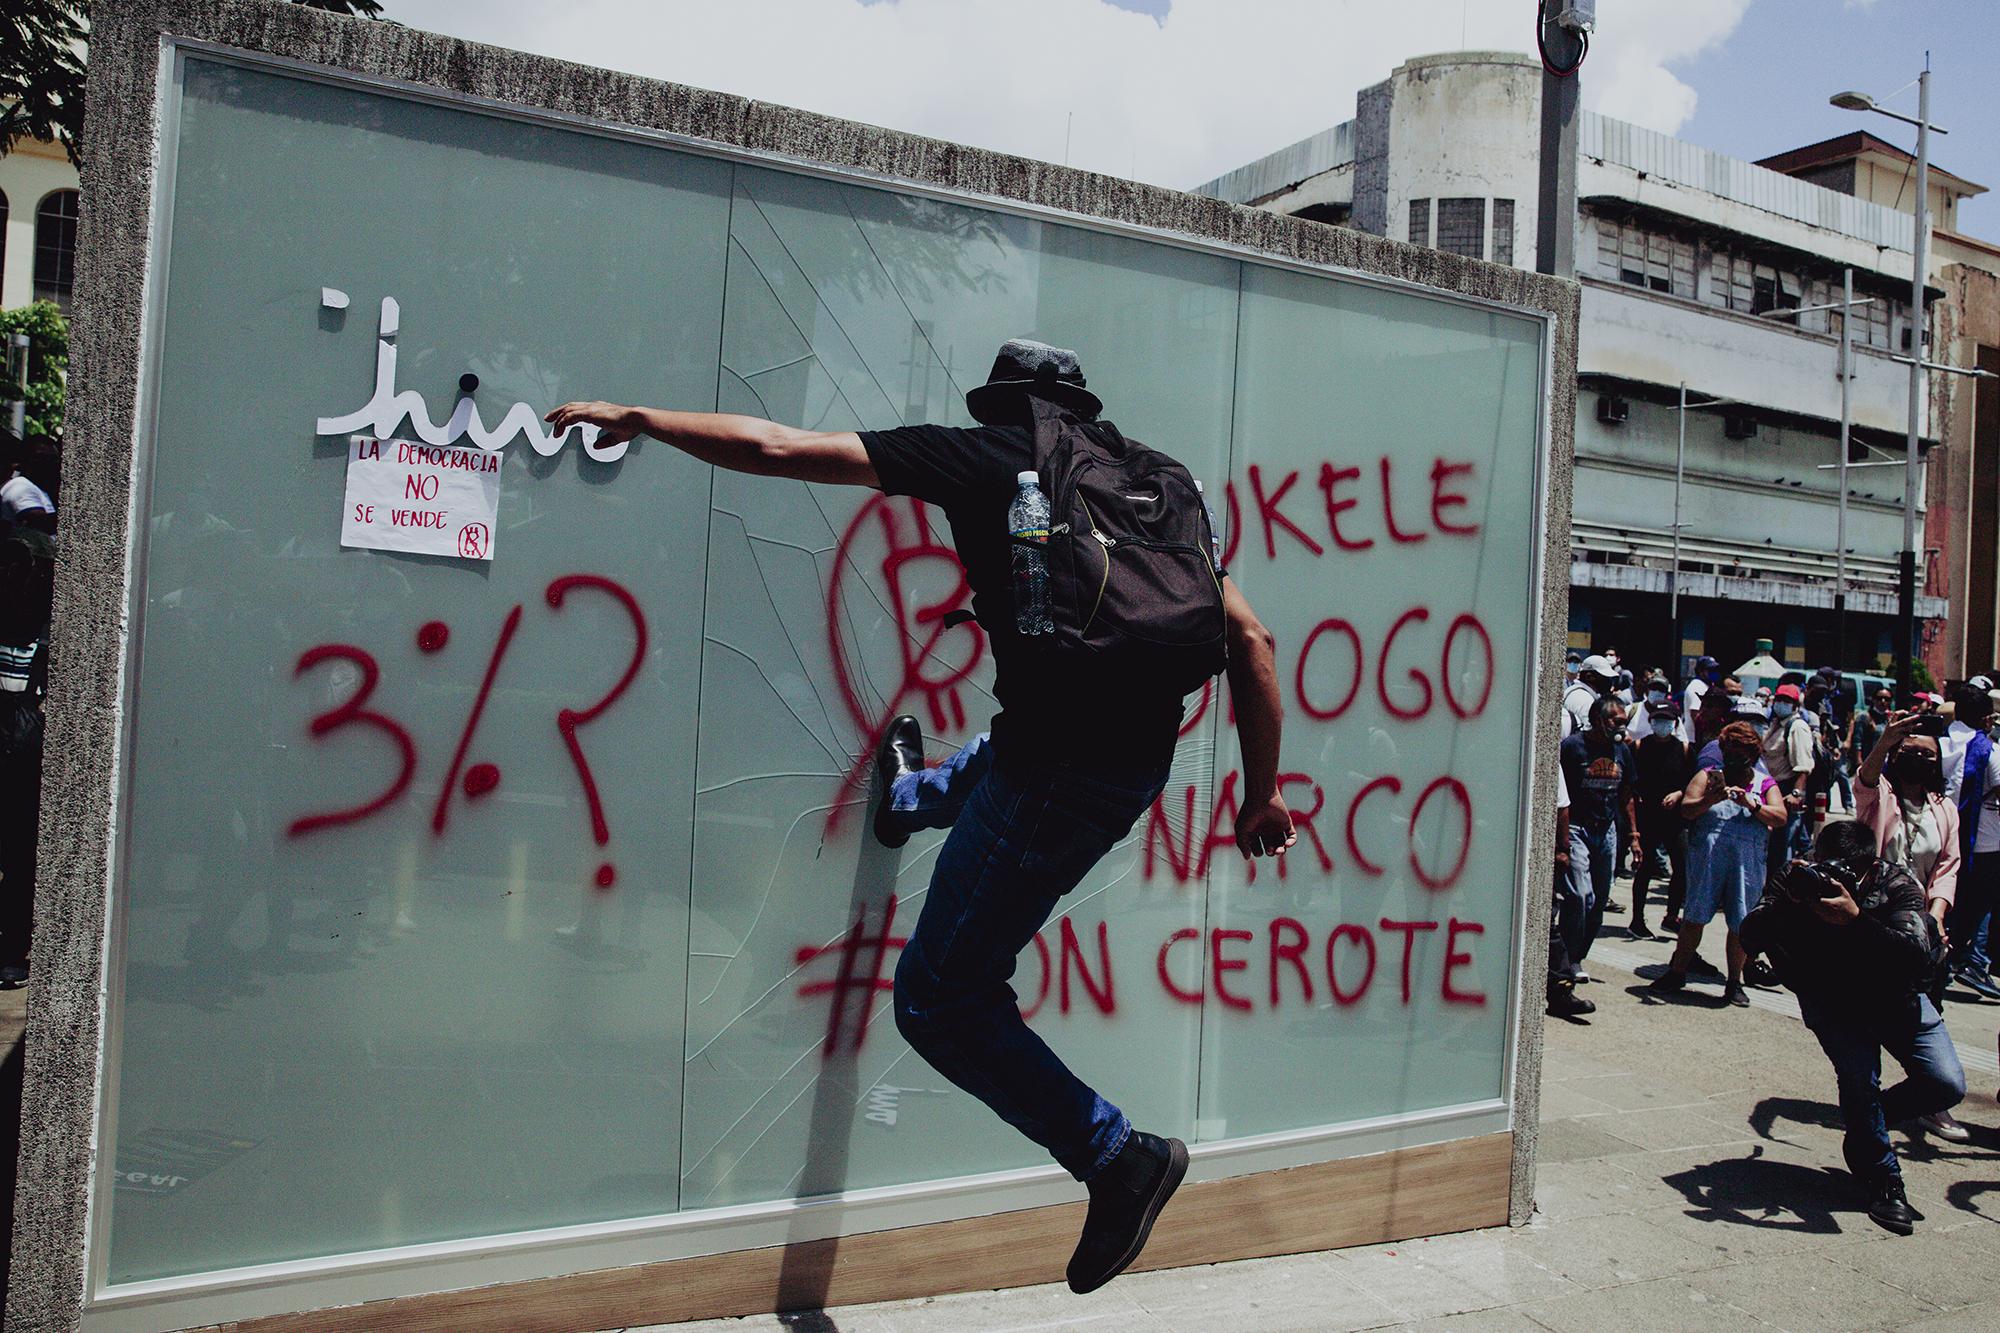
1028 523
1214 532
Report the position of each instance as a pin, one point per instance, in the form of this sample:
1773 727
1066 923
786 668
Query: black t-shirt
1598 774
972 474
1663 764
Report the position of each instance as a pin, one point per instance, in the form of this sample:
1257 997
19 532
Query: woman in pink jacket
1899 793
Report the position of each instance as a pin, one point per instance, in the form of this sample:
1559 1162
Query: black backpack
1133 590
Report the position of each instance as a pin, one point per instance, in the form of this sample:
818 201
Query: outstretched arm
739 443
1263 825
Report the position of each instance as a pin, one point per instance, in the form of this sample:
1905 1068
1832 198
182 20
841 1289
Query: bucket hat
1024 365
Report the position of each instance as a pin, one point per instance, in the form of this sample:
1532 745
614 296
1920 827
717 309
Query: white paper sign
436 500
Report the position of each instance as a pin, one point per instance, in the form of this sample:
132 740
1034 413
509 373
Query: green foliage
41 71
1920 677
41 66
48 363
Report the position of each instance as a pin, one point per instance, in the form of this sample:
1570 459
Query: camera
1932 725
1808 881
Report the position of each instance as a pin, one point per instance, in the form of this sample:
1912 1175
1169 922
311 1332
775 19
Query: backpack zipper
1104 580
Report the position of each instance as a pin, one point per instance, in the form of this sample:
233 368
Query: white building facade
1681 252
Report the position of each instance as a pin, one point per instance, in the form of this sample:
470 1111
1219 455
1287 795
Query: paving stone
1482 1321
1811 1292
1565 1191
1264 1294
1667 1305
1680 1127
1972 1319
1577 1140
1560 1101
1642 1092
1606 1251
1943 1270
1491 1262
1408 1285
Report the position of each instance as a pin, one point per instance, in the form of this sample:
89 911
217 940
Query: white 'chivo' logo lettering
386 408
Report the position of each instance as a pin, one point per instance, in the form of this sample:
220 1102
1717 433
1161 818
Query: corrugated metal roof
1288 166
1624 144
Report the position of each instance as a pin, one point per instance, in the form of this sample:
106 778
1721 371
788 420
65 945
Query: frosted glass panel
1384 527
389 972
853 309
377 1032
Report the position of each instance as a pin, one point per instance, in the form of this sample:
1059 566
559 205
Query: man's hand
612 421
1671 801
1938 907
1636 850
1264 828
1793 801
1839 910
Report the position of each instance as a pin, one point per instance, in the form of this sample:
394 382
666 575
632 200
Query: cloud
1175 95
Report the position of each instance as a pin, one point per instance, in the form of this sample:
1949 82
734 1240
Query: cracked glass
464 898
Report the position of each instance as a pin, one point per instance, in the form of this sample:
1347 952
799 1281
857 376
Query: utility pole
1906 583
1841 658
1563 37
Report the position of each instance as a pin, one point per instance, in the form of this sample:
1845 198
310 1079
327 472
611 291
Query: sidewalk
1690 1179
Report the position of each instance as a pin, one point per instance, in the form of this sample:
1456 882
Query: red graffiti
1169 844
1328 712
487 771
851 978
353 711
1346 961
907 539
568 720
479 779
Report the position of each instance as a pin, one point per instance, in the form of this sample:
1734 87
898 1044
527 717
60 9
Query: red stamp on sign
473 541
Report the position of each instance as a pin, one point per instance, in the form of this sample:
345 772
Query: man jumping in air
1077 753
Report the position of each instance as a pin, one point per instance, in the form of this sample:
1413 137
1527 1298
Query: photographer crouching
1849 933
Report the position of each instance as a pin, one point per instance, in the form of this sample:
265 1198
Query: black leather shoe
901 751
1564 1002
1981 986
1890 1207
1125 1197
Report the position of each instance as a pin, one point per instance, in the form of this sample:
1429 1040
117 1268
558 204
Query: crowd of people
1871 909
27 586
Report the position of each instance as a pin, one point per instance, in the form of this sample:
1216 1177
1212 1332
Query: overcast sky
1178 91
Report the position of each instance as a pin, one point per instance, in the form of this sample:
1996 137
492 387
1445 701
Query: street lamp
1906 580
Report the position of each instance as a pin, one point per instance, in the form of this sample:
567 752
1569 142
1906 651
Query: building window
55 248
1503 231
1420 222
1659 263
1462 227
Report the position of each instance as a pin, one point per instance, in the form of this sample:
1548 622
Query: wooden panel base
1358 1201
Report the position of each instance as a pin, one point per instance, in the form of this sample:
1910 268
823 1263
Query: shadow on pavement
1755 1191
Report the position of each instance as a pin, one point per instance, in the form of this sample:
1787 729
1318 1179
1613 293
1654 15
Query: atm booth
458 906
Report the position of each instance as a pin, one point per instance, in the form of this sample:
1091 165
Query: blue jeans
1972 911
1022 836
1915 1035
1583 892
1793 840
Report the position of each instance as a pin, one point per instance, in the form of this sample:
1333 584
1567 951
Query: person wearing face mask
1850 937
1732 812
1788 758
1707 676
1899 793
1600 773
1639 721
1971 763
1595 678
1866 728
1662 758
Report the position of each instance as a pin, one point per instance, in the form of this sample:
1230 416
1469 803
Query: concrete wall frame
1464 1164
